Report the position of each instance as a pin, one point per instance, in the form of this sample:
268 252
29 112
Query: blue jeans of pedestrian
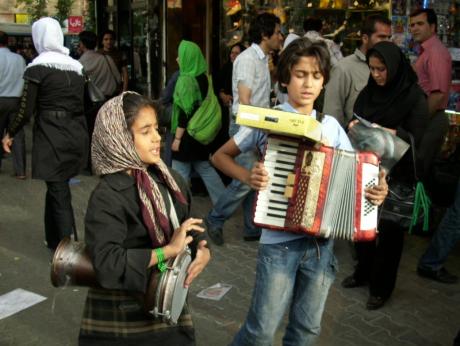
235 194
208 174
445 238
294 275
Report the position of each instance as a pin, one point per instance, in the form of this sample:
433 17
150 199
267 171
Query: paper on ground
214 292
17 300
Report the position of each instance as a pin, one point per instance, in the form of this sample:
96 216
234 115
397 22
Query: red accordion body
317 190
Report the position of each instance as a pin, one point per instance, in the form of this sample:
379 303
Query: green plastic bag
207 120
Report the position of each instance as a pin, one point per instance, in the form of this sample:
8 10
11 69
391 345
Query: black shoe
351 282
251 237
375 302
215 233
441 275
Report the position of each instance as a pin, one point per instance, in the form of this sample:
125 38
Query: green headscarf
187 91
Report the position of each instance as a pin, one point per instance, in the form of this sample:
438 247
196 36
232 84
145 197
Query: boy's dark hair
297 49
3 38
263 25
368 27
312 23
88 38
133 103
431 16
109 32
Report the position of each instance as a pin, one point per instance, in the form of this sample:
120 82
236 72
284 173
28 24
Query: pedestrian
313 27
434 71
294 271
393 100
351 74
190 93
53 90
251 86
447 235
129 229
11 85
102 72
119 58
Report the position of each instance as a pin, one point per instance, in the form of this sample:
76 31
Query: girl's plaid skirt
117 317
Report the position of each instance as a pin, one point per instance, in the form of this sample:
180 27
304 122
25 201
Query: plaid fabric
117 316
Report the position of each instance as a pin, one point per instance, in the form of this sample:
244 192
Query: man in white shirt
12 68
251 85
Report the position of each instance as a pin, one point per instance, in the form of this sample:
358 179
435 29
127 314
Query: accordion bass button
288 192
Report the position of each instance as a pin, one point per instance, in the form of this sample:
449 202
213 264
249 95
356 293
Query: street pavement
420 312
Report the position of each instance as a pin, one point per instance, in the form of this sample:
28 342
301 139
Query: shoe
215 233
441 275
375 302
251 237
351 282
19 176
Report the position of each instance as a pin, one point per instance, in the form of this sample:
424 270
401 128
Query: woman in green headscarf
189 94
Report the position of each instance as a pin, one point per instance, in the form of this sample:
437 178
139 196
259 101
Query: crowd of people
138 216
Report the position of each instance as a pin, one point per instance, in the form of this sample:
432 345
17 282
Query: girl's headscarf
379 104
113 150
187 91
49 43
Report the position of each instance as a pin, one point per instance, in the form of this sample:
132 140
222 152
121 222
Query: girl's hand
7 142
352 123
377 194
258 178
203 255
175 144
180 238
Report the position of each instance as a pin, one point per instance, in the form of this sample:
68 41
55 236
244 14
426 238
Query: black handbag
407 204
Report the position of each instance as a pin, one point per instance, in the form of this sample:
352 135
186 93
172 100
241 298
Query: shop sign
75 24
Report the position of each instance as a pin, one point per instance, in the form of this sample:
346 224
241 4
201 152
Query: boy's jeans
303 270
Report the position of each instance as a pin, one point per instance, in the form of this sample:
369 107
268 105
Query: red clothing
434 68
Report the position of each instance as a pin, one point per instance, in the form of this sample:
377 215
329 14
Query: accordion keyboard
272 205
369 211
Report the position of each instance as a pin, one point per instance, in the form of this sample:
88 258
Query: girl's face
146 137
378 70
305 84
234 53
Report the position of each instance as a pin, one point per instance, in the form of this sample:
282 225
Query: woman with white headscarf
53 90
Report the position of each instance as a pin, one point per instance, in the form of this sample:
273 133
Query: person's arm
416 121
435 101
244 94
26 109
224 160
336 94
125 77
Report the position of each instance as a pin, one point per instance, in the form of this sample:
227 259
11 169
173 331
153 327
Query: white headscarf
49 43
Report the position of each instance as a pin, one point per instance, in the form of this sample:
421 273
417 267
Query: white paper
17 300
214 292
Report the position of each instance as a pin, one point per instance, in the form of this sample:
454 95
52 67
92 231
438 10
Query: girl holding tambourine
129 229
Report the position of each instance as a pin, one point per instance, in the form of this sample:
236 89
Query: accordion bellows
317 190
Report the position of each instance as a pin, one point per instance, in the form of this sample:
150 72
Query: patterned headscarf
113 150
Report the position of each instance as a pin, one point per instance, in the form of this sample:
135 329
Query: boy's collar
288 107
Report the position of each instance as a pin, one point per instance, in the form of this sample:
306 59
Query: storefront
149 32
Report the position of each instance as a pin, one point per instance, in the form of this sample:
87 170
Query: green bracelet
160 259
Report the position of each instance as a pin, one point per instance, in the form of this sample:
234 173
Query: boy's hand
377 194
258 178
203 255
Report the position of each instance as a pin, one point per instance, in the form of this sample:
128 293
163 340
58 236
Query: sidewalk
420 312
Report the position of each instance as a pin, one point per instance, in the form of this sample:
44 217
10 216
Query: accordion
317 190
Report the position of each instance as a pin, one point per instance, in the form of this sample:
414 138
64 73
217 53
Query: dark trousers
9 106
378 261
59 218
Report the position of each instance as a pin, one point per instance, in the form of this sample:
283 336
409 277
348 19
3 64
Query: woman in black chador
392 100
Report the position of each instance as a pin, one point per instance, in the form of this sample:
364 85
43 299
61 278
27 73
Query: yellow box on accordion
277 121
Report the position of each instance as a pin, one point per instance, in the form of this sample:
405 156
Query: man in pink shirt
434 65
433 68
